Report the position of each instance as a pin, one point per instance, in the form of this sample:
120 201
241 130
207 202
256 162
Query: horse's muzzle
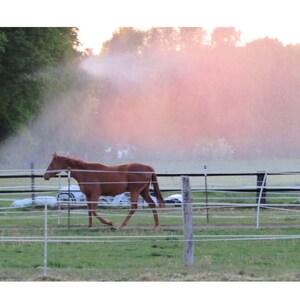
46 176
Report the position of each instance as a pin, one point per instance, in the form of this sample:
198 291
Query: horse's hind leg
90 223
145 194
133 207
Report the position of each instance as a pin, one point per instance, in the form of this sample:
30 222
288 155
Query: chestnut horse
95 179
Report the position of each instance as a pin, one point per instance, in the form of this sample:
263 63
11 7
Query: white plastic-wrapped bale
121 200
38 201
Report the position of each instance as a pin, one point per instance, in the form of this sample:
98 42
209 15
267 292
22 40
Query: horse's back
127 172
138 168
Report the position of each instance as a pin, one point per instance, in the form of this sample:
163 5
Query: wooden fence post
187 221
32 185
260 198
261 184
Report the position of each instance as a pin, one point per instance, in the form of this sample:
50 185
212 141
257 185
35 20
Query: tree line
164 91
200 88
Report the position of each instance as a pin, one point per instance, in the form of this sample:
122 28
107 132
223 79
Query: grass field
139 253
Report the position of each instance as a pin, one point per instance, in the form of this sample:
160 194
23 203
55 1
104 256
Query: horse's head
55 166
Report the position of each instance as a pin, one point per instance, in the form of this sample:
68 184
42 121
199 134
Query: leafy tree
3 41
126 40
23 53
225 36
161 39
191 38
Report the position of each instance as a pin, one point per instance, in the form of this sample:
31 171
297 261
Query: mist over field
168 95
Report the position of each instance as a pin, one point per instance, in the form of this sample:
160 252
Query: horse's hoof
156 227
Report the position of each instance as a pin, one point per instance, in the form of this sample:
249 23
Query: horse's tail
157 192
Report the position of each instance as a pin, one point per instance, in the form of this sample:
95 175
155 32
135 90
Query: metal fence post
187 222
69 197
45 239
206 193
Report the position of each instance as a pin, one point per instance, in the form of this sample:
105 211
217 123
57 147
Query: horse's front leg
94 211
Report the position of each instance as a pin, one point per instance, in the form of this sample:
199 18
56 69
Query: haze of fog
168 97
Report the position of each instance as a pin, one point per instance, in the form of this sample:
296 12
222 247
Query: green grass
155 259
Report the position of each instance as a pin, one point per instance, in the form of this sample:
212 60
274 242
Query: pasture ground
157 258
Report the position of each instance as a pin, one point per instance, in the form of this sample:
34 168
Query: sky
97 20
255 19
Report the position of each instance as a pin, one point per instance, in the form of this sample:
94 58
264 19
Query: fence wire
215 202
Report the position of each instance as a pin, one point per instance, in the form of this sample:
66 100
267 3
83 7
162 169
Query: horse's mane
74 161
77 163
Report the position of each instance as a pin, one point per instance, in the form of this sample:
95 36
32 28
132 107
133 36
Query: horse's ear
54 154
